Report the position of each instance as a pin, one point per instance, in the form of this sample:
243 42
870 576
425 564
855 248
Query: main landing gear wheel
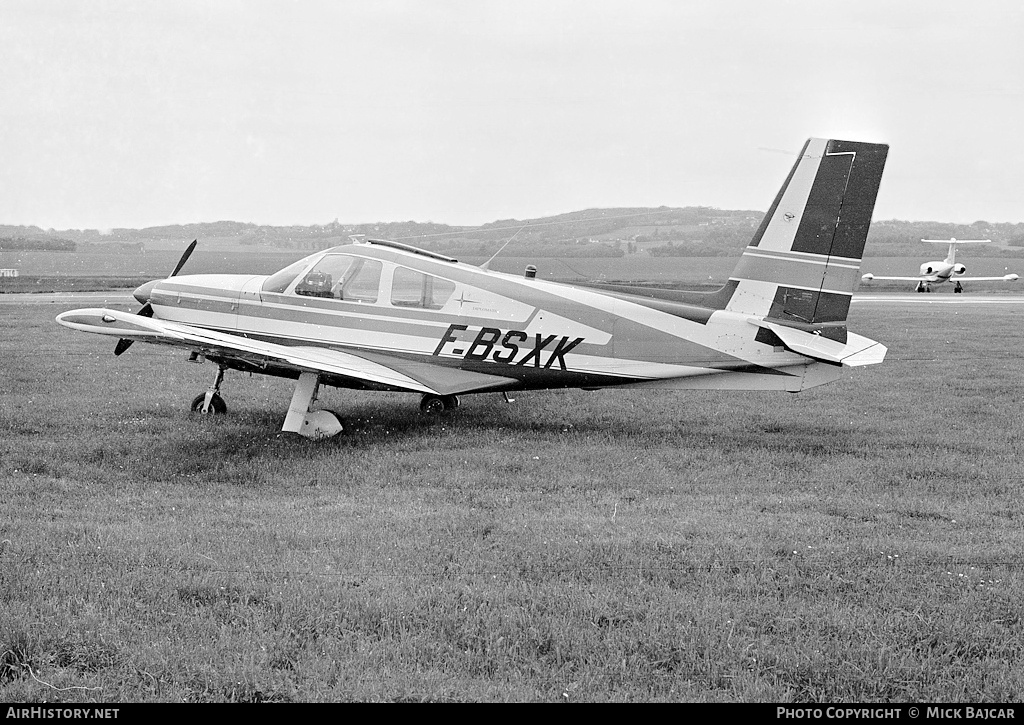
217 404
437 404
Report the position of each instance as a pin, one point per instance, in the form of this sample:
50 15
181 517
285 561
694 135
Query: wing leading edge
382 370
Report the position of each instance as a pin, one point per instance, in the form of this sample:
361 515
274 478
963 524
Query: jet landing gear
437 404
923 287
957 288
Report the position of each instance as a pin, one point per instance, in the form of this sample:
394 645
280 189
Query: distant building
8 273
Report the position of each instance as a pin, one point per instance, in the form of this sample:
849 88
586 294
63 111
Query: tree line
29 244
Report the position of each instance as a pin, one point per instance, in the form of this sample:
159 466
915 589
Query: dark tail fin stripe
861 194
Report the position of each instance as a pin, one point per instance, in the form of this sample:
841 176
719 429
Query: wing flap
443 379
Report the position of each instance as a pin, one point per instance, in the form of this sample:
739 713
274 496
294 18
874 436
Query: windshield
279 282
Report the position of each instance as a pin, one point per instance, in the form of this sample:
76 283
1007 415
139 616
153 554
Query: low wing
378 369
934 278
918 278
1004 278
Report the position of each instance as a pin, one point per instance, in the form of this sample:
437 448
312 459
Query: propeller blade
147 309
124 343
184 258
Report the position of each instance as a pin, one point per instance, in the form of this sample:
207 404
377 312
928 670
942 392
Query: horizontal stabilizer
856 351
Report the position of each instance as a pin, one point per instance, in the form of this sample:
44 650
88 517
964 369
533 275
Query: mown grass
859 542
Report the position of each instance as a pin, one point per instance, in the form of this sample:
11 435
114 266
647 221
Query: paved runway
91 299
937 298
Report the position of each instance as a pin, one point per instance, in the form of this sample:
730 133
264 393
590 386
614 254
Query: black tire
451 402
433 405
217 404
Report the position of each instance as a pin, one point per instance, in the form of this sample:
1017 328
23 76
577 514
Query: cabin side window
410 288
341 277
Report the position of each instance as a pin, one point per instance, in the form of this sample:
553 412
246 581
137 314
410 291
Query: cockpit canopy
353 278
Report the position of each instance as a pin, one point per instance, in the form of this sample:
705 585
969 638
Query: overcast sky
139 113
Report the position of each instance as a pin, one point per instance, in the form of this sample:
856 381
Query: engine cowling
959 269
927 268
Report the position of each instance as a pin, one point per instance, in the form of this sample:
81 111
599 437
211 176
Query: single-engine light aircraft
947 270
382 315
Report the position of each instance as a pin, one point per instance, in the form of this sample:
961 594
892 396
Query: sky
152 112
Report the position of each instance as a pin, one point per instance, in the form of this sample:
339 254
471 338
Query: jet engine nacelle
928 268
959 269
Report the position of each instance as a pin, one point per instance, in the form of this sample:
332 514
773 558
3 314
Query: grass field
860 542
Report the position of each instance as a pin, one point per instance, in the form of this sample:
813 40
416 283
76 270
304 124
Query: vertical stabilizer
803 262
951 254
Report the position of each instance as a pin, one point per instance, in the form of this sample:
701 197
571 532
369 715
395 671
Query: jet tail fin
803 263
951 254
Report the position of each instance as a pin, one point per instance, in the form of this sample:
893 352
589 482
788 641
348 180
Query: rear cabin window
341 277
410 288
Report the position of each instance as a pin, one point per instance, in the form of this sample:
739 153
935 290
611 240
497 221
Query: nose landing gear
210 402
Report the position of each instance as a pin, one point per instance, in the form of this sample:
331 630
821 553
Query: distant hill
615 232
893 238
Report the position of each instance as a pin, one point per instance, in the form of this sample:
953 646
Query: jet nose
142 292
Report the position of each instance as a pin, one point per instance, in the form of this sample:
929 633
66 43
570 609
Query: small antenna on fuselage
487 264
